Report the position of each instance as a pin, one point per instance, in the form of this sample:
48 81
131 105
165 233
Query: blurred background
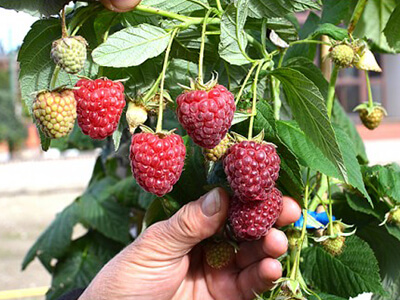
35 185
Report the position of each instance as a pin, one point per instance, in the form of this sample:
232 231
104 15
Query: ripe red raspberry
99 106
253 219
157 161
252 169
206 115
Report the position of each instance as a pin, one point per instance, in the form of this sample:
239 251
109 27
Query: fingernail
212 203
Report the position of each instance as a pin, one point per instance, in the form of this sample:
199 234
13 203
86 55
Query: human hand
166 262
120 5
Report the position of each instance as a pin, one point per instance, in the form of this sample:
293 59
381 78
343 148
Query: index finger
291 212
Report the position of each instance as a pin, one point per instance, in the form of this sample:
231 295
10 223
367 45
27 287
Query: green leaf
177 6
384 180
392 29
330 30
35 7
305 50
284 28
351 273
373 21
179 71
86 257
98 212
359 204
55 240
313 158
233 37
290 179
309 110
278 8
339 116
324 296
336 11
194 177
386 249
132 46
393 229
129 193
140 78
154 213
341 119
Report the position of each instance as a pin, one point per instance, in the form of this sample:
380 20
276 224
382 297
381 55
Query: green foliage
351 273
132 45
309 110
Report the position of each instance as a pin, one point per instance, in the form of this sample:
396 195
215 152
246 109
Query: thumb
193 223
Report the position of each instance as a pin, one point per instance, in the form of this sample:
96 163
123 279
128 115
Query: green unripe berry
342 55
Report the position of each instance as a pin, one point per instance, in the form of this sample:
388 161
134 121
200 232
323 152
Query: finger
274 244
259 277
120 5
290 213
193 223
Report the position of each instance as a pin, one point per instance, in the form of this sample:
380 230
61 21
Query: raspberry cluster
99 106
252 169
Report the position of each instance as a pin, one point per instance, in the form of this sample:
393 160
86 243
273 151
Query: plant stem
239 95
370 100
202 46
256 44
309 42
219 6
187 20
331 90
295 271
330 213
64 32
356 15
54 77
76 29
164 70
254 105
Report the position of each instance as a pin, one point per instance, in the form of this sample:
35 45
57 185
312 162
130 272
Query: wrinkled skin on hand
166 261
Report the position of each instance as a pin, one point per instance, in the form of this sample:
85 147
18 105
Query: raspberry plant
263 60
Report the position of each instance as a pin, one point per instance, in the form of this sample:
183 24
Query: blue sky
13 28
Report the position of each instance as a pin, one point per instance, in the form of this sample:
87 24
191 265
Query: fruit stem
331 90
239 95
296 264
54 77
219 6
330 213
64 32
202 46
370 100
164 70
356 15
254 106
309 42
187 20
